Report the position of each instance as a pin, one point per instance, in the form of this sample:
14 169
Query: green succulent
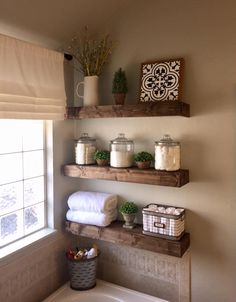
128 207
102 154
143 156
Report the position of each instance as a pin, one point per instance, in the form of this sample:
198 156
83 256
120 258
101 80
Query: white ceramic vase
91 96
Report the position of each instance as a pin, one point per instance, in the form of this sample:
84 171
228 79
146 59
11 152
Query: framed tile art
161 80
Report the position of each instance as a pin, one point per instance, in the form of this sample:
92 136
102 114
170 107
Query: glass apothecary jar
85 148
167 154
122 152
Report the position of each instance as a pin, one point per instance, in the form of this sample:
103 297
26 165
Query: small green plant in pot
102 157
129 210
143 159
119 87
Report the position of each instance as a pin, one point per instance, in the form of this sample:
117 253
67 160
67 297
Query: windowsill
25 242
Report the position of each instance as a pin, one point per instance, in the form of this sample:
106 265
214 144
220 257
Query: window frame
48 227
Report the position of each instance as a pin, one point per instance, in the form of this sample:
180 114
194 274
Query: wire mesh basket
169 226
82 273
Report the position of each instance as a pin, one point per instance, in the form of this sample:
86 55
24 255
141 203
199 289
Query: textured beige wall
34 273
203 32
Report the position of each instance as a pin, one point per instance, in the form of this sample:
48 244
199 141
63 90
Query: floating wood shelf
115 233
167 108
134 175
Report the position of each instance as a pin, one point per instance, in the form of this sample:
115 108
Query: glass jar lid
167 140
85 138
121 139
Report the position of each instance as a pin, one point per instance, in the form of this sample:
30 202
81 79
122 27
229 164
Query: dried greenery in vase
91 53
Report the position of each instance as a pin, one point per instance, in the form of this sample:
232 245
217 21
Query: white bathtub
102 292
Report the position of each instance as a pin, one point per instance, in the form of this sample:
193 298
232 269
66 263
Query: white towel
99 219
92 202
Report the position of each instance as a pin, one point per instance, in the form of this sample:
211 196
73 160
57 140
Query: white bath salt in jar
122 152
167 154
85 148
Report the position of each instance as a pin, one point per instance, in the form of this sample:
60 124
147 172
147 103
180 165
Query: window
22 179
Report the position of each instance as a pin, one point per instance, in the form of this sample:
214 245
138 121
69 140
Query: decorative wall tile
150 264
160 80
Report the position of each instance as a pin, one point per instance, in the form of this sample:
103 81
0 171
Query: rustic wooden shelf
115 233
167 108
134 175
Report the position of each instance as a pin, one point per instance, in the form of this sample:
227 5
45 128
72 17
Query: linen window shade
32 82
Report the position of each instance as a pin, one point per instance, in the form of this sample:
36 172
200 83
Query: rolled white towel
92 202
99 219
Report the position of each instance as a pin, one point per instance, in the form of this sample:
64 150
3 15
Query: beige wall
203 32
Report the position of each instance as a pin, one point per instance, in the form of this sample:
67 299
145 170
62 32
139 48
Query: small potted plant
128 209
119 87
102 157
143 160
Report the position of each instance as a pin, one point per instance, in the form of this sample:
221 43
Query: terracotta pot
102 162
119 98
143 164
129 220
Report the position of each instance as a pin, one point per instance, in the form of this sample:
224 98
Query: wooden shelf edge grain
116 234
165 108
133 175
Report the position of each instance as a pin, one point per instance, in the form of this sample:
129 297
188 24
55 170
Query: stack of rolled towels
94 208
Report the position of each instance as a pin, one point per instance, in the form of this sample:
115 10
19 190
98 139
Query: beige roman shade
31 81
